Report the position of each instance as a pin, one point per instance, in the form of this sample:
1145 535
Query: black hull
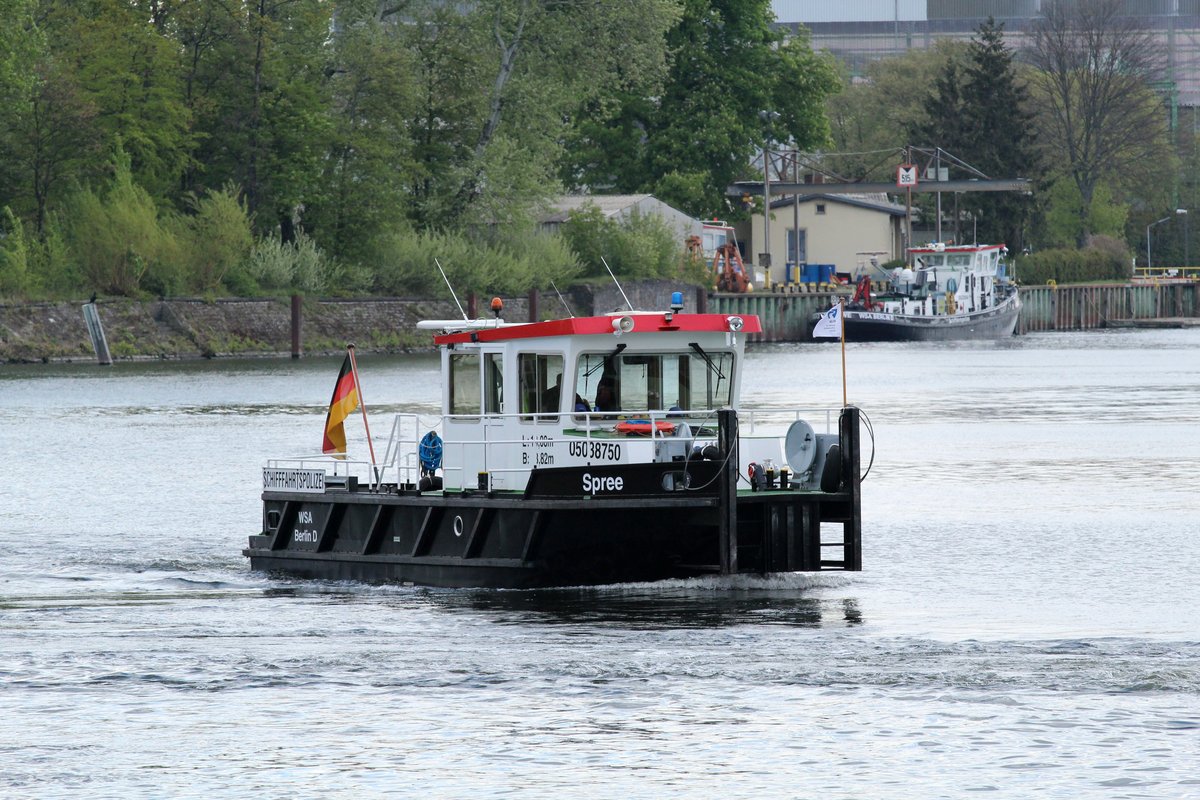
994 323
546 538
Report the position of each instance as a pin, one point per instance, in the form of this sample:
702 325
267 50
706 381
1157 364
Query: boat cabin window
540 384
464 383
493 383
655 381
712 239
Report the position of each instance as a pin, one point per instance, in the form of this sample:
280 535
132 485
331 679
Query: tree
689 141
56 143
980 114
20 41
882 111
21 45
214 47
129 73
290 120
499 83
366 174
1096 115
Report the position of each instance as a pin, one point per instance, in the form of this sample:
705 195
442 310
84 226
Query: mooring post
701 300
533 305
297 306
91 318
848 433
727 443
472 306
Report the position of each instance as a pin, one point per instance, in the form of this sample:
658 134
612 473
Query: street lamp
769 118
1187 238
1179 212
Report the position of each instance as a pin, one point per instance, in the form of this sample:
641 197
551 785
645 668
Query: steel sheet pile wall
785 317
1063 308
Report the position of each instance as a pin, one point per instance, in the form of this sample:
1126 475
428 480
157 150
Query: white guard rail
500 433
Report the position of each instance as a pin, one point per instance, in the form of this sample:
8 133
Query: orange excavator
729 270
862 295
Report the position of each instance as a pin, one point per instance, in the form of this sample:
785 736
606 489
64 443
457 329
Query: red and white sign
906 176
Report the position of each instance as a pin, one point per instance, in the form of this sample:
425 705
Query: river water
1027 622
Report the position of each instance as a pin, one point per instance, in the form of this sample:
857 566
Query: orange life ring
642 427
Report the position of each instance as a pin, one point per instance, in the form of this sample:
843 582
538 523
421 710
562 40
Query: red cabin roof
956 248
592 326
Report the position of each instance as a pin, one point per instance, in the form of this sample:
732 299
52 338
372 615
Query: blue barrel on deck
809 273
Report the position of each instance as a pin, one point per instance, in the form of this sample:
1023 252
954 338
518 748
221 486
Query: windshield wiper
599 364
707 360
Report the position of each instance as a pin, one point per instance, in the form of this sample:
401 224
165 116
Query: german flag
345 400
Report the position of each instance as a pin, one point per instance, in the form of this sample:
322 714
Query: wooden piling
296 323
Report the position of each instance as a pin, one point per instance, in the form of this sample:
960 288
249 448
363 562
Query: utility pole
769 118
765 255
795 216
907 209
937 176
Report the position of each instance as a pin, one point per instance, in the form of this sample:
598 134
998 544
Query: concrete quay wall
197 328
263 327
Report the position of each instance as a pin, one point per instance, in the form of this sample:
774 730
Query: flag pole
842 319
363 406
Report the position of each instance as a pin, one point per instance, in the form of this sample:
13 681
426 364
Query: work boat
950 292
577 451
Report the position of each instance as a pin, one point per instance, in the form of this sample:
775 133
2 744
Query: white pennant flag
830 323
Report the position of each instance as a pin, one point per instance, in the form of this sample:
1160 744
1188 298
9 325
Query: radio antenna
451 288
561 300
617 282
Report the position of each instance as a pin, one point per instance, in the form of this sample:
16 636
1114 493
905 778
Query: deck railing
401 461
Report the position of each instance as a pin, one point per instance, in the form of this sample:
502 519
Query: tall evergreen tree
999 122
981 116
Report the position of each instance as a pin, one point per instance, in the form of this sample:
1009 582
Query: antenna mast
451 288
617 282
561 300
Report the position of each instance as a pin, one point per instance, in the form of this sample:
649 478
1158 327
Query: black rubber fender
831 473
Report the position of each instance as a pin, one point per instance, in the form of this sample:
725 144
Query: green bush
217 241
15 279
1100 262
403 263
54 270
296 267
116 236
642 246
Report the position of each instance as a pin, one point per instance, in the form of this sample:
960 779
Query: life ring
642 427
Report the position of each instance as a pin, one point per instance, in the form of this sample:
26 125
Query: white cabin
948 279
615 389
